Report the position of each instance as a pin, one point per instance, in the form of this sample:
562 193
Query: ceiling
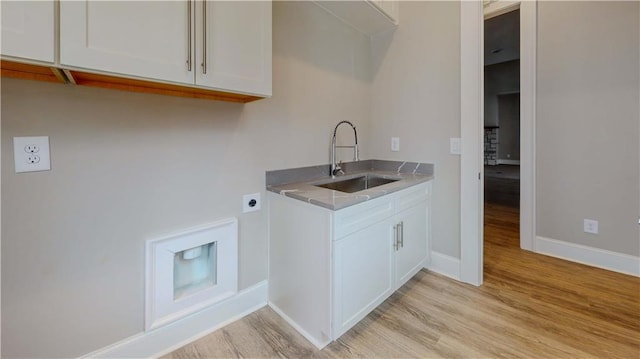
502 38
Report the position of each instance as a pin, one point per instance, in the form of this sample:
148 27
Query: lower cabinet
329 269
412 249
363 275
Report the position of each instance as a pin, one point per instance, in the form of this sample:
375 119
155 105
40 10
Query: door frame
472 17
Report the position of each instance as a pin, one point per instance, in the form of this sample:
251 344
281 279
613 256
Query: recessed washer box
190 270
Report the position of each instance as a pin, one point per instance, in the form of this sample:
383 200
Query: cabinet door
28 30
149 39
388 7
413 242
363 267
233 48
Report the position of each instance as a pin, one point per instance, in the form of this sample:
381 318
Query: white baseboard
163 340
295 325
617 262
445 265
508 162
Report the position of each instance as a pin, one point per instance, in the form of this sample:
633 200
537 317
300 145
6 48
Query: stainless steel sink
357 184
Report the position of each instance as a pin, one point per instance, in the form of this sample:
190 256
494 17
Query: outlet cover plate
455 146
395 144
251 202
591 226
31 154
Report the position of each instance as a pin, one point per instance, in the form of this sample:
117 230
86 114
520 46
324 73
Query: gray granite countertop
301 183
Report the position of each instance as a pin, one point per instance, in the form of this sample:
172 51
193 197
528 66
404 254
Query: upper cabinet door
367 16
151 39
28 30
389 7
233 47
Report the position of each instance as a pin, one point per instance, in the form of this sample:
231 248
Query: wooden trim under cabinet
31 72
126 84
53 74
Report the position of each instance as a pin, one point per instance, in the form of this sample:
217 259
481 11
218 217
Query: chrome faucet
335 168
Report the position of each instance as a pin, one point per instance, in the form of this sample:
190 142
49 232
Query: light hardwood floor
530 306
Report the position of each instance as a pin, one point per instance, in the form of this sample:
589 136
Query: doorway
502 110
472 16
501 132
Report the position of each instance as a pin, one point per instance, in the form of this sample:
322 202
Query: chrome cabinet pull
395 238
204 37
189 35
398 236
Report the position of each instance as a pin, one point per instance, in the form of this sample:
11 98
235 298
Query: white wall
416 96
129 167
588 120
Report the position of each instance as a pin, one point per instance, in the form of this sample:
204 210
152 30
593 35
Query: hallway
502 185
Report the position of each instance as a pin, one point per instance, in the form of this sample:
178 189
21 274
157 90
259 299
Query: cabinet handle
204 37
402 234
395 238
189 36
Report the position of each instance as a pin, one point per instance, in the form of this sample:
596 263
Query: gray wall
509 132
499 79
416 96
587 134
502 37
129 167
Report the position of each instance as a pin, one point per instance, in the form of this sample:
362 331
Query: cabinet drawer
362 215
411 196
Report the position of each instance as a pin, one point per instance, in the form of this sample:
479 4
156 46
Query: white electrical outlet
454 146
250 202
31 154
590 226
395 144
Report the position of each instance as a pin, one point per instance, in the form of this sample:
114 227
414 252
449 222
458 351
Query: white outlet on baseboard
590 226
31 154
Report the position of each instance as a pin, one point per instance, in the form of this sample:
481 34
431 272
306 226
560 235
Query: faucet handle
338 169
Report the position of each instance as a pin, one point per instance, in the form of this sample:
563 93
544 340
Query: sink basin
357 184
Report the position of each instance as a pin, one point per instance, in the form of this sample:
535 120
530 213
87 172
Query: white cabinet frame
329 269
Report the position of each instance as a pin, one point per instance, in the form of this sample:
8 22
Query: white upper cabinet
389 8
220 45
139 38
28 30
233 50
366 16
